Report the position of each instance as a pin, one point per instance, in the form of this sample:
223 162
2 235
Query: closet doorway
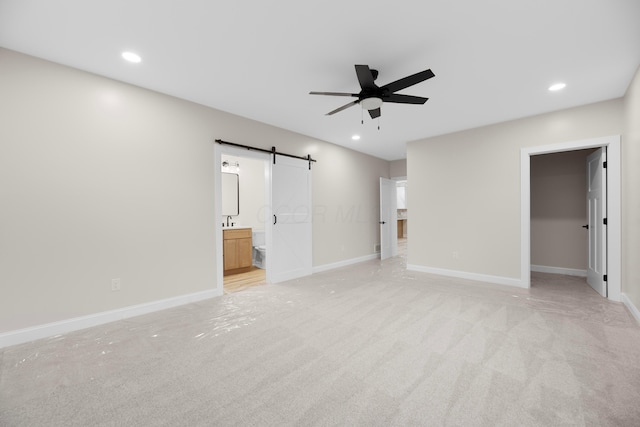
612 207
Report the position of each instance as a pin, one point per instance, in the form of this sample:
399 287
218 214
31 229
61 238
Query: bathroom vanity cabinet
236 250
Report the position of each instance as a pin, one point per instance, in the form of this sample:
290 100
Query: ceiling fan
372 96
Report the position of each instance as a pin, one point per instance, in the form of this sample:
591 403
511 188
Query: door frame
393 221
614 224
219 150
397 179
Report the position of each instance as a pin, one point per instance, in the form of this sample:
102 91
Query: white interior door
388 219
291 233
596 213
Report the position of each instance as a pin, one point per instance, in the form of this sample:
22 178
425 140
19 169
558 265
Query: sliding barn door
291 229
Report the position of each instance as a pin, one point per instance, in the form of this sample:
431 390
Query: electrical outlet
376 247
116 284
455 254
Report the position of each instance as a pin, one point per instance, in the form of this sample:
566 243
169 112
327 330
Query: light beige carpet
369 345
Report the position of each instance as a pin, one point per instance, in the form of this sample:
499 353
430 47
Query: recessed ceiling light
131 57
355 137
556 87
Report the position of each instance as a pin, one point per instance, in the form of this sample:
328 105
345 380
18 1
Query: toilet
259 249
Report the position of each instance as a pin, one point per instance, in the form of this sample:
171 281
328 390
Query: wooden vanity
237 247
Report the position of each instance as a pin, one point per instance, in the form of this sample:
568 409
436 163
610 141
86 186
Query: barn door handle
586 226
275 219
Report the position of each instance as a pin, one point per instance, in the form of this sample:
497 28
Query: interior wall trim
632 308
498 280
327 267
46 330
559 270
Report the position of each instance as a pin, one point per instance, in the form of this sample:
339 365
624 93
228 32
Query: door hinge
604 221
604 165
604 277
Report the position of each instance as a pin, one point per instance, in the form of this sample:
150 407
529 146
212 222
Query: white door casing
614 229
388 219
291 235
596 212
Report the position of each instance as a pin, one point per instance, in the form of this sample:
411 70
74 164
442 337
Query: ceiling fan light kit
371 103
371 97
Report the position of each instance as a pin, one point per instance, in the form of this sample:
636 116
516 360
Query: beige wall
469 188
559 210
346 204
631 193
398 168
102 180
251 189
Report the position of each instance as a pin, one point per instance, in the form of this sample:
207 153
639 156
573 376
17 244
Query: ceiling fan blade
375 113
365 77
344 107
404 99
408 81
355 95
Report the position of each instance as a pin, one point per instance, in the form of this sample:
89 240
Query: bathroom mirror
230 194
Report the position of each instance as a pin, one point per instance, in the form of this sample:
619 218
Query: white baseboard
632 308
559 270
499 280
69 325
345 263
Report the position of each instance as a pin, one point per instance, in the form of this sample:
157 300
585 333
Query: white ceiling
493 59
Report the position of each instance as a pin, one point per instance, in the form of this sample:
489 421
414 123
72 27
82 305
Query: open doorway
244 202
393 217
559 214
388 219
613 206
403 217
